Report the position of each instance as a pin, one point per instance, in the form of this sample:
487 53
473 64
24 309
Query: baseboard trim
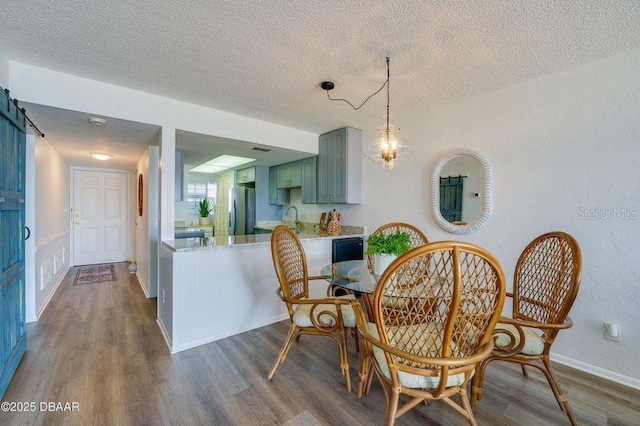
597 371
165 335
55 288
144 288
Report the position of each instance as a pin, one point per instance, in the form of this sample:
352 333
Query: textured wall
565 151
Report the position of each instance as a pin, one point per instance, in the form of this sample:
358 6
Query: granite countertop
212 243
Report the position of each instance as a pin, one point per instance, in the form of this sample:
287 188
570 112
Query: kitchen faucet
286 213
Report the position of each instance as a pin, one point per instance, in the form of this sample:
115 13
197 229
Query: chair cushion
302 313
533 342
410 380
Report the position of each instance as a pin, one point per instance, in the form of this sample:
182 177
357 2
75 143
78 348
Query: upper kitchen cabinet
289 175
246 175
277 196
308 188
340 167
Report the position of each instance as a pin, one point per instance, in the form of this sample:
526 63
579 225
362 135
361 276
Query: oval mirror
461 197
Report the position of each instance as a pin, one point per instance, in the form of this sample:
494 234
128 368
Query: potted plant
386 248
205 209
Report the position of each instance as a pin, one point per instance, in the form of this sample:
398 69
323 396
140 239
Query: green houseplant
205 209
386 248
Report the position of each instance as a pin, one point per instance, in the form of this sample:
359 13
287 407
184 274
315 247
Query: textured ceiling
265 59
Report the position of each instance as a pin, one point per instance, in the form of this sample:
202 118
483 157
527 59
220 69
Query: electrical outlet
163 295
612 331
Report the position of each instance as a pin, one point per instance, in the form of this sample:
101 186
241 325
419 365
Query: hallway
98 345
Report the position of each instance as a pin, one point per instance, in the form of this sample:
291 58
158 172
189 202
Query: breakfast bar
212 288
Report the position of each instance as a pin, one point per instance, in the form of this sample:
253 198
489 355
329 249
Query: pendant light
387 148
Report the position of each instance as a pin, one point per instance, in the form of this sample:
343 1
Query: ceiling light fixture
387 149
102 156
221 163
97 121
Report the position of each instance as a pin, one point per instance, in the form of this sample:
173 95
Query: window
198 191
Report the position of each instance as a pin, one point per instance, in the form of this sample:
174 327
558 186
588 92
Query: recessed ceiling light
221 163
102 156
97 121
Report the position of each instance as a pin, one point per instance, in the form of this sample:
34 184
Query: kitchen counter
207 293
212 243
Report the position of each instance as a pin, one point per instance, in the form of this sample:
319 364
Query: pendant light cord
386 83
388 79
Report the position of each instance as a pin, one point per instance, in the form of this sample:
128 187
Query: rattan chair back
416 236
440 301
547 279
290 264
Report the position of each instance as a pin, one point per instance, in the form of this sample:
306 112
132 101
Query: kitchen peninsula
212 288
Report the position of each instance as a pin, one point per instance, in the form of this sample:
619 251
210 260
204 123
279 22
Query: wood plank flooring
99 345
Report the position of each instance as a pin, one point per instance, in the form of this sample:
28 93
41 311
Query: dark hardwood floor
98 345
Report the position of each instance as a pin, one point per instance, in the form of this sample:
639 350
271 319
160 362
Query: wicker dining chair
320 317
545 285
449 296
416 237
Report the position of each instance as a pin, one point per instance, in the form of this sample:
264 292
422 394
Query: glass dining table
353 275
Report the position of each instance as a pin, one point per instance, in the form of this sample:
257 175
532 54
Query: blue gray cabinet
308 188
246 175
289 175
340 166
277 196
13 336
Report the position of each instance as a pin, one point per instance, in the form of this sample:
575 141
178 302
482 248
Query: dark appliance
343 249
347 249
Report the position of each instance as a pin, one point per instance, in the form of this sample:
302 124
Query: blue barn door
13 337
451 189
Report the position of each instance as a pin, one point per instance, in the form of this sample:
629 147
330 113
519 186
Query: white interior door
99 216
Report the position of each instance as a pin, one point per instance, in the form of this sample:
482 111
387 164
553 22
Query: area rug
95 274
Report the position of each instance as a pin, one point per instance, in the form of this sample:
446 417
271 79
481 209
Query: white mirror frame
487 196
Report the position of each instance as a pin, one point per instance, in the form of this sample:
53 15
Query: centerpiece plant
385 248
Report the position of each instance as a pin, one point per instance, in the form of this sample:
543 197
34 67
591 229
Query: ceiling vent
257 148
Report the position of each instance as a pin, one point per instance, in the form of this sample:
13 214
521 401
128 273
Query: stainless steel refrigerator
242 210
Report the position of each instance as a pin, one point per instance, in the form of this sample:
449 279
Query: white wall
46 87
51 231
560 146
146 226
29 221
4 71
